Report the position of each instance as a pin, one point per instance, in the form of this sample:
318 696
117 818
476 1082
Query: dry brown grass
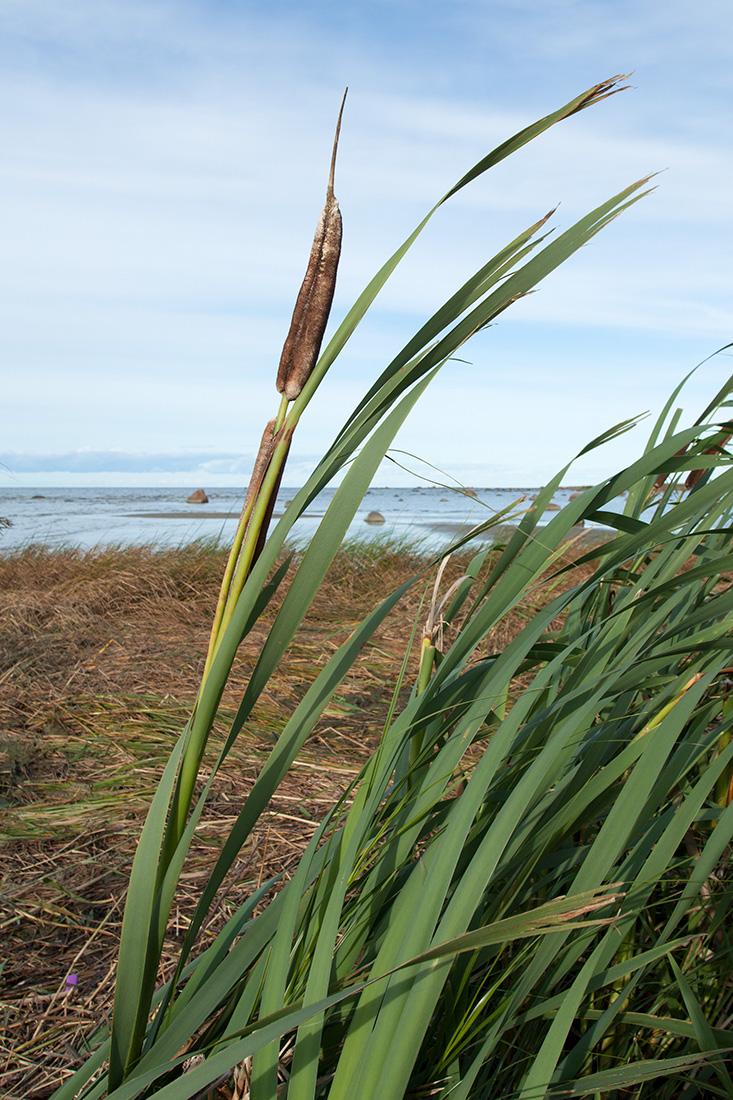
101 658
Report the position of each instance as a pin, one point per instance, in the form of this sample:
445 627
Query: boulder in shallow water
374 517
199 497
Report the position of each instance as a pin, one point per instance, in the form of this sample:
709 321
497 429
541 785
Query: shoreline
89 518
504 531
207 515
581 537
584 535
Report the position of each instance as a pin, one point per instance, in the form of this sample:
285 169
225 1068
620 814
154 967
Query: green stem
281 414
427 664
225 592
724 783
252 529
226 585
258 518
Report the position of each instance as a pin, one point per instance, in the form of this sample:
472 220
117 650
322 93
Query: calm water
117 516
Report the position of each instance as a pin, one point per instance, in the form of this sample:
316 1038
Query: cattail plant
313 305
299 355
540 935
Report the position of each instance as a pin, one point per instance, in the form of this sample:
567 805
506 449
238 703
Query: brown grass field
101 654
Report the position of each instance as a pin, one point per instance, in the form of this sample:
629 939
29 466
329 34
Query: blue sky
164 164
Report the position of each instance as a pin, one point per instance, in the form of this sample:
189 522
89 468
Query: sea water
426 517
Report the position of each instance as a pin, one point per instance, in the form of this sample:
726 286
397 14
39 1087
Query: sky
164 164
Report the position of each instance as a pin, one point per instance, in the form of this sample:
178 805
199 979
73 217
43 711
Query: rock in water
374 517
199 497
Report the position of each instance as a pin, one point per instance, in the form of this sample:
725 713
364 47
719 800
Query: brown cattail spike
313 304
662 478
694 475
267 446
270 440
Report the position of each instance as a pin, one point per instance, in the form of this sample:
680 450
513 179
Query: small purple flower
72 979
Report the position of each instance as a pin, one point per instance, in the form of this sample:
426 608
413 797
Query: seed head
313 304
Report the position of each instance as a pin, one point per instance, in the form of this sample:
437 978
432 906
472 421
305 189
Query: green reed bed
525 890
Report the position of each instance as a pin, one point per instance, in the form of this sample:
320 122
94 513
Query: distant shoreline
179 515
431 516
206 515
584 535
